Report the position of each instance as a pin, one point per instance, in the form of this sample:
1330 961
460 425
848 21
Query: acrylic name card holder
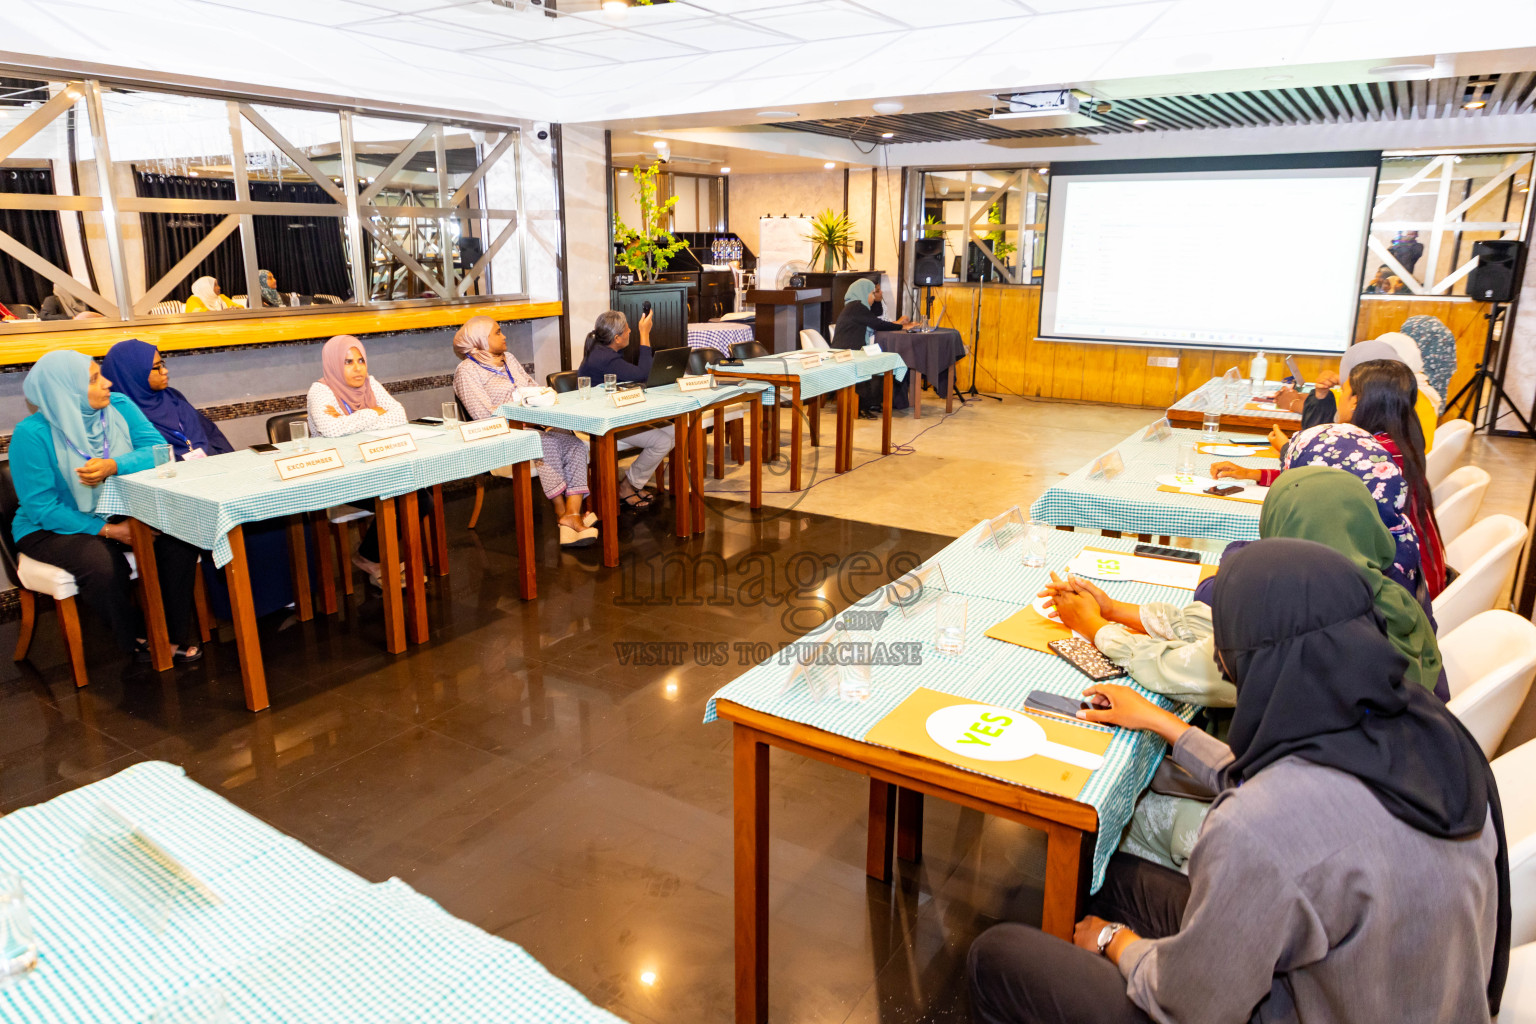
1003 530
138 868
1162 430
916 590
1107 467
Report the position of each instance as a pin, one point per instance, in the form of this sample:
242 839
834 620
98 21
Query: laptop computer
667 364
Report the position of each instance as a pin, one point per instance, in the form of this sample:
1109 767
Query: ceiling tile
928 13
825 19
545 57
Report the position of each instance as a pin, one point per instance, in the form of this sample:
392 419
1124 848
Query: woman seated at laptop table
856 325
486 380
347 400
81 434
605 342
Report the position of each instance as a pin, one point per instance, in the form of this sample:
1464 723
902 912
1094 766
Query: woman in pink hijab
346 399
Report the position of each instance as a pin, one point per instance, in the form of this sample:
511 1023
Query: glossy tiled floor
541 779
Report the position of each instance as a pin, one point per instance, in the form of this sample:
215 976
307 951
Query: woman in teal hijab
81 434
856 324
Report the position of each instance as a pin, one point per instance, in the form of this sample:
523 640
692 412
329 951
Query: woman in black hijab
1353 866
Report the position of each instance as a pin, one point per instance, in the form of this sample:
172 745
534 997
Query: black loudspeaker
1497 273
928 264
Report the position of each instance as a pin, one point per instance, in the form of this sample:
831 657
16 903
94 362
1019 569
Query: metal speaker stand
1470 397
981 290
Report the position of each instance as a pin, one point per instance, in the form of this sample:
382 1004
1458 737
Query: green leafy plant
648 250
929 228
1001 247
831 239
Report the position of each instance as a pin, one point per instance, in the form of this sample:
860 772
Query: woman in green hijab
80 435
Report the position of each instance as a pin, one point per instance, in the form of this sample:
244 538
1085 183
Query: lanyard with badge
105 437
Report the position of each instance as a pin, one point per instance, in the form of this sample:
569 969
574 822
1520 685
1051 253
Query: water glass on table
949 614
18 943
450 414
584 387
1212 421
610 381
165 461
856 680
1035 541
298 432
1185 461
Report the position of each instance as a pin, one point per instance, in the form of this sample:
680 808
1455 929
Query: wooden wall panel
1014 361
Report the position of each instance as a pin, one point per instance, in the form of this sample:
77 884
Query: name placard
843 355
699 382
384 447
493 426
1107 467
1162 430
290 467
629 396
872 349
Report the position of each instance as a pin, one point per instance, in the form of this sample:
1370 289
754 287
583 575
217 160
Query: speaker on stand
928 269
1494 280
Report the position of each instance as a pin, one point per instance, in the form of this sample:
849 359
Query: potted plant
1001 247
647 250
831 240
931 227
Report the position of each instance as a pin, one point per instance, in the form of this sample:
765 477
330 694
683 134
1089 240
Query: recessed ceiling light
1474 105
981 188
1405 68
1278 78
623 174
1043 170
615 5
829 165
1142 120
725 170
659 144
192 174
889 107
887 135
777 113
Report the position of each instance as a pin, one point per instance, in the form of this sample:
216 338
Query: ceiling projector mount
1051 108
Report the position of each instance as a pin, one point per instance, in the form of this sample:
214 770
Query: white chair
1485 556
1514 773
812 341
1490 661
1451 439
1458 499
1519 1006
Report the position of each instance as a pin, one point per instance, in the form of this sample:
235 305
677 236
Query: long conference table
176 899
767 708
208 502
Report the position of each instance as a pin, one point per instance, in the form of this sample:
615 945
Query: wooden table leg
319 527
797 412
775 429
242 608
149 590
882 825
751 799
813 413
1063 869
909 825
298 568
681 442
439 538
885 415
522 512
415 569
755 416
696 471
917 395
606 500
722 428
949 390
388 528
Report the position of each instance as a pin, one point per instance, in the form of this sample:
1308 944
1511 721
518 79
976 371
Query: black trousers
102 575
1020 975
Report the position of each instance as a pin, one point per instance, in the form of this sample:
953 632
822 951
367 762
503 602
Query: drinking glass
1237 393
1035 542
1184 464
949 614
584 385
18 943
298 432
1212 422
450 414
857 681
610 381
165 461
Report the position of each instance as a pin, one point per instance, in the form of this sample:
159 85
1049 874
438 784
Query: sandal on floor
187 655
589 519
637 502
141 651
570 538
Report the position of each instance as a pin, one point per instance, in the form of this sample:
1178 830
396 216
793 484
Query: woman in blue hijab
81 434
138 372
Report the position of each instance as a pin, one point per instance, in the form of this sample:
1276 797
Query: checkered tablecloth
209 497
295 938
719 337
817 380
866 366
1131 502
988 671
598 414
1214 390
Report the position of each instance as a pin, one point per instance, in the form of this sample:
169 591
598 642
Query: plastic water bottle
1258 370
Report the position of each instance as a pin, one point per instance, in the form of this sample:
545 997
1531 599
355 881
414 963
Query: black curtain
38 230
305 254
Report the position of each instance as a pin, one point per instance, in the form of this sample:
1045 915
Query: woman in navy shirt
605 342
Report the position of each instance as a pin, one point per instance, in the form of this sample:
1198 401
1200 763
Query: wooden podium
783 314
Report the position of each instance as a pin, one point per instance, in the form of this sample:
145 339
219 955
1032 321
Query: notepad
1104 564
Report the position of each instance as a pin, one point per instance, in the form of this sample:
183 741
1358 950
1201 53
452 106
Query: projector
1055 108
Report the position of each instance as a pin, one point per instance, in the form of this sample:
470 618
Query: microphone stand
981 289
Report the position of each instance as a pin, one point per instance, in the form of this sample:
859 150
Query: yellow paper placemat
1028 628
1224 497
939 726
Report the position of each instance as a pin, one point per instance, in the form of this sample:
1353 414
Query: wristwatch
1107 935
